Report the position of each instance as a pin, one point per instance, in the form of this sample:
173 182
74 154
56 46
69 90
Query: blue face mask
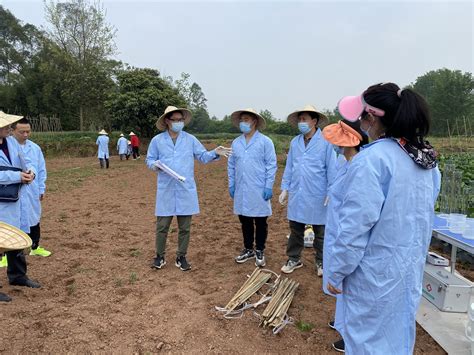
177 126
245 127
304 127
338 150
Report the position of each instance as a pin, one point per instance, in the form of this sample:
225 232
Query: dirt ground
100 295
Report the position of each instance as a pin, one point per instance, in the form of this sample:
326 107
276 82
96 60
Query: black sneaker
259 258
4 297
245 255
182 263
331 325
339 346
159 262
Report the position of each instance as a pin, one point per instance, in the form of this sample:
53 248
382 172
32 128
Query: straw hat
161 124
12 238
132 134
235 117
342 134
121 135
103 132
293 117
6 119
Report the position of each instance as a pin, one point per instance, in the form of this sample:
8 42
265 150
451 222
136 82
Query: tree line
69 71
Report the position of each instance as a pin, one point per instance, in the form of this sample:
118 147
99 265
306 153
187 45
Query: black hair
406 116
23 120
169 114
253 115
313 115
356 126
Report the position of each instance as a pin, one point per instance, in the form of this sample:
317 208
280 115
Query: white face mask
177 126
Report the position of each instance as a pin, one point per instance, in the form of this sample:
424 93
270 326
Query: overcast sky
281 55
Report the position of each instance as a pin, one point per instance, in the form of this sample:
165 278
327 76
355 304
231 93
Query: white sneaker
290 266
259 258
319 270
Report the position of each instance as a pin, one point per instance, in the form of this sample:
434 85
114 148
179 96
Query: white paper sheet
164 168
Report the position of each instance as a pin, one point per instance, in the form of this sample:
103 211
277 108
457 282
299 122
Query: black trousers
35 235
257 225
136 153
104 162
16 270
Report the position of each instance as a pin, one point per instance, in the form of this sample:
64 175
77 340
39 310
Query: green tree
18 44
197 98
200 122
450 96
140 98
86 40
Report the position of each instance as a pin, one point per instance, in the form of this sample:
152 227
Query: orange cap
342 135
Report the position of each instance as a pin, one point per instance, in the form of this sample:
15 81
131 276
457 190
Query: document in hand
164 168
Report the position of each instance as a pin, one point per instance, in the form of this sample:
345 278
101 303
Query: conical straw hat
235 117
161 124
293 117
12 238
6 119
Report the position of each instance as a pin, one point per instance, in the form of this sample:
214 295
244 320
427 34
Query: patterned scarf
424 157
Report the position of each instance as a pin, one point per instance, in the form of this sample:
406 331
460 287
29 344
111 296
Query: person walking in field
122 147
103 149
176 149
310 169
36 190
135 145
251 171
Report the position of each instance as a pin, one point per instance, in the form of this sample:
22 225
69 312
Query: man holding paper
172 155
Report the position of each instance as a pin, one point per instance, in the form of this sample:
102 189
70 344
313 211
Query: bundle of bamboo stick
256 280
275 315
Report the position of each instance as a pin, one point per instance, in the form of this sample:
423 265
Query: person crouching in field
15 168
177 150
122 147
310 170
347 138
35 190
251 171
103 149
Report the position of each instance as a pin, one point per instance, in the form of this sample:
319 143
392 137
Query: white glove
155 168
282 197
223 151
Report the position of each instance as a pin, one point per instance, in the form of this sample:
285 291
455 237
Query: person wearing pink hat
348 139
384 221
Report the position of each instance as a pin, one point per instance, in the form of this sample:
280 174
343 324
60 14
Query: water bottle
470 325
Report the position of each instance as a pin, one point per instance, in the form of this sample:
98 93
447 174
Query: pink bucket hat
351 108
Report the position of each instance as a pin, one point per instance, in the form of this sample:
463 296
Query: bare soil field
100 295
